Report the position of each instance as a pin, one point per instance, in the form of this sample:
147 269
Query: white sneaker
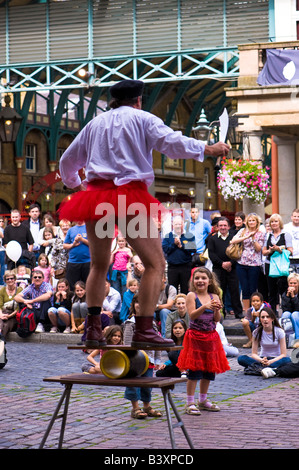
54 329
40 328
268 372
67 330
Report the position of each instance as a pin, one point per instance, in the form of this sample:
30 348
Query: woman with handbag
250 262
275 242
8 307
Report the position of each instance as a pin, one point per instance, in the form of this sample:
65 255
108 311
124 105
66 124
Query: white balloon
13 250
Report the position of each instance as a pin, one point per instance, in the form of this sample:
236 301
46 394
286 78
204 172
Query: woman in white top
270 338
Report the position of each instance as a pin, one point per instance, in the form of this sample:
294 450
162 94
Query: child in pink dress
120 257
43 265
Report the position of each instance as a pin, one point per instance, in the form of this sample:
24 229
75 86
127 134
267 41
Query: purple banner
281 68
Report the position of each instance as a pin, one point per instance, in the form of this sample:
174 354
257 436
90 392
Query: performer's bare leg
100 252
151 254
150 251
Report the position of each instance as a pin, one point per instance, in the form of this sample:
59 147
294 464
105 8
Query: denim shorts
199 374
61 309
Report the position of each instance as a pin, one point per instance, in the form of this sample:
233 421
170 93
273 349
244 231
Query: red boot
94 336
145 335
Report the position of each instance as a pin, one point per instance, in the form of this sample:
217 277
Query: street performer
115 150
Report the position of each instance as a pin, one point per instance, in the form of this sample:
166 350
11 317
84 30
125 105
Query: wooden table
166 384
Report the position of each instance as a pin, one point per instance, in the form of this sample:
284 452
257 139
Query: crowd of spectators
55 262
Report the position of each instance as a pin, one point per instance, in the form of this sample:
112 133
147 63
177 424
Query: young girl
169 369
61 311
114 336
135 394
79 308
203 354
44 266
270 338
251 319
127 299
47 242
120 257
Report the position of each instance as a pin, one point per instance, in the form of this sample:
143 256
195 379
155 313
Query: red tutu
103 197
203 350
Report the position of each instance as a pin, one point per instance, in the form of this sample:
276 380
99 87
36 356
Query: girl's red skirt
102 196
203 350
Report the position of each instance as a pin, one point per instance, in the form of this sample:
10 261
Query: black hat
127 89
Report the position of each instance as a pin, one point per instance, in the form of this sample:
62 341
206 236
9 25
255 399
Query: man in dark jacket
223 267
178 247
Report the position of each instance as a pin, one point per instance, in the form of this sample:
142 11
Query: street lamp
10 122
191 192
203 130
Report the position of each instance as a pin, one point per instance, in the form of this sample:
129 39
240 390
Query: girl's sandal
208 406
192 410
138 414
152 413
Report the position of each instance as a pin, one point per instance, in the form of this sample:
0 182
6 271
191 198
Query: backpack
25 322
289 370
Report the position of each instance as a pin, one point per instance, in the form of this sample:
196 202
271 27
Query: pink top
121 259
250 257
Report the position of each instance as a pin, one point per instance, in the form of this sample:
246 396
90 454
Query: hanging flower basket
243 178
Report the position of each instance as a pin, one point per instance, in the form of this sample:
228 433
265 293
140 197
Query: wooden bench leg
65 396
168 401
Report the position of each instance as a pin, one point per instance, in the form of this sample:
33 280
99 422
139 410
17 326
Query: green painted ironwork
45 43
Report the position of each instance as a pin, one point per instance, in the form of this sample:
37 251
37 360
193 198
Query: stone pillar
286 149
253 151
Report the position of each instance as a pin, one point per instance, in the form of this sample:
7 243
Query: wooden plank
98 379
128 348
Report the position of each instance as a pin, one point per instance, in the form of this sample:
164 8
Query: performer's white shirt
117 145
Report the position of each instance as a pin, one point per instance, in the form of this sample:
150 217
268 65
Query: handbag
59 273
234 251
204 256
279 264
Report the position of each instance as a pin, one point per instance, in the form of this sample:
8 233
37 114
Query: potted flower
243 178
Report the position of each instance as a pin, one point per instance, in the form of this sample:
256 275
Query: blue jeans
246 361
162 315
294 319
248 277
140 393
57 311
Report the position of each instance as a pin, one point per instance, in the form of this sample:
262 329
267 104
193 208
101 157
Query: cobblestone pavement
255 413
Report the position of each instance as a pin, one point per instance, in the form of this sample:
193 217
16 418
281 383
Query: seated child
23 278
114 336
251 319
127 299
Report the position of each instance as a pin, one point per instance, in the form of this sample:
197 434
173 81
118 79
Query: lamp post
10 122
173 193
203 129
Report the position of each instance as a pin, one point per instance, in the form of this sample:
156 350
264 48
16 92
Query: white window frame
30 155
